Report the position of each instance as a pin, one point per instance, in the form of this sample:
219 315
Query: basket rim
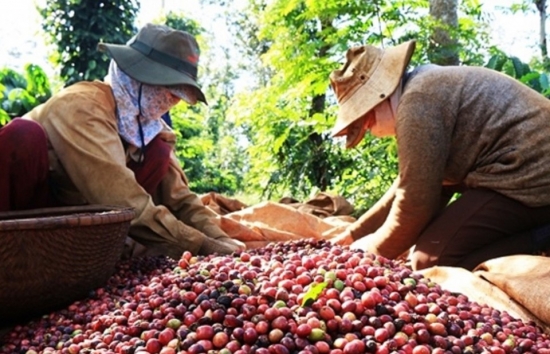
70 216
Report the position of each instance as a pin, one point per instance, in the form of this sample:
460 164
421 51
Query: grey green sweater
460 125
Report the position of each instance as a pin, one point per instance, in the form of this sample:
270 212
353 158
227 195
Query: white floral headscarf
154 102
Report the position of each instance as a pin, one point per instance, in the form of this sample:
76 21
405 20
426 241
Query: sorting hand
364 244
343 239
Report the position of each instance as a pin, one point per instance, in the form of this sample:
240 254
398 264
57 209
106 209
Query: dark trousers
24 166
156 161
478 226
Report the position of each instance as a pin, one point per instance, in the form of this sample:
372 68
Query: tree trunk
318 103
444 44
541 7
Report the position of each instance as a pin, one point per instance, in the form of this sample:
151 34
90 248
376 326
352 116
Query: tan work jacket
88 165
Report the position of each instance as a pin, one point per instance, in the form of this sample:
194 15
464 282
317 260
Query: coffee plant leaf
313 293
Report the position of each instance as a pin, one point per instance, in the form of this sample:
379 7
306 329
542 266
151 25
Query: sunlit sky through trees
22 43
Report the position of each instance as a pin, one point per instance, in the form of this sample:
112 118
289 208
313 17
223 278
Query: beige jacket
88 165
466 126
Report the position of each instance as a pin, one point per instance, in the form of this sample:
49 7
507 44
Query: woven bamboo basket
52 257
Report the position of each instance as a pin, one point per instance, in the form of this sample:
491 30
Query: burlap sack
322 205
524 278
239 231
323 217
220 204
272 222
515 284
283 218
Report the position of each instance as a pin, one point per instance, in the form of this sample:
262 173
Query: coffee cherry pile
305 297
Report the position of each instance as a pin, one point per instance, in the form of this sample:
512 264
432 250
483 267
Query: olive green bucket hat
159 55
369 76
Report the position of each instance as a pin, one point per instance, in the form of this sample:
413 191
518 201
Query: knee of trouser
25 125
27 137
25 130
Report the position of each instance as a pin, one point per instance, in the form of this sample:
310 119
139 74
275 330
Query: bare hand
343 239
364 244
241 245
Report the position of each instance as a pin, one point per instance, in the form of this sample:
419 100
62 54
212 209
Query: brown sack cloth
519 285
279 222
526 279
322 205
323 217
220 204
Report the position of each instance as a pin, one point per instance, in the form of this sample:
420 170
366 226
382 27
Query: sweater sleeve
423 130
175 194
186 205
370 221
82 130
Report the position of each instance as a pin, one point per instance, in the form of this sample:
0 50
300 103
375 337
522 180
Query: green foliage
471 35
21 92
77 26
289 109
179 21
208 145
269 137
206 169
514 67
199 141
313 293
370 170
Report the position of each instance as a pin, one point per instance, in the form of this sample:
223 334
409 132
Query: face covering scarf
385 113
139 113
395 97
357 130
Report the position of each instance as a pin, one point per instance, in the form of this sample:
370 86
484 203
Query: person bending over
461 129
104 142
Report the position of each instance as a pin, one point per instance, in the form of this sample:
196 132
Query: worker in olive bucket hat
461 129
108 145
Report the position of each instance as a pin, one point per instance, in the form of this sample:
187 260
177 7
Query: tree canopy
77 26
265 132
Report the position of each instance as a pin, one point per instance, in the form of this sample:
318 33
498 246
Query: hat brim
147 71
378 87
